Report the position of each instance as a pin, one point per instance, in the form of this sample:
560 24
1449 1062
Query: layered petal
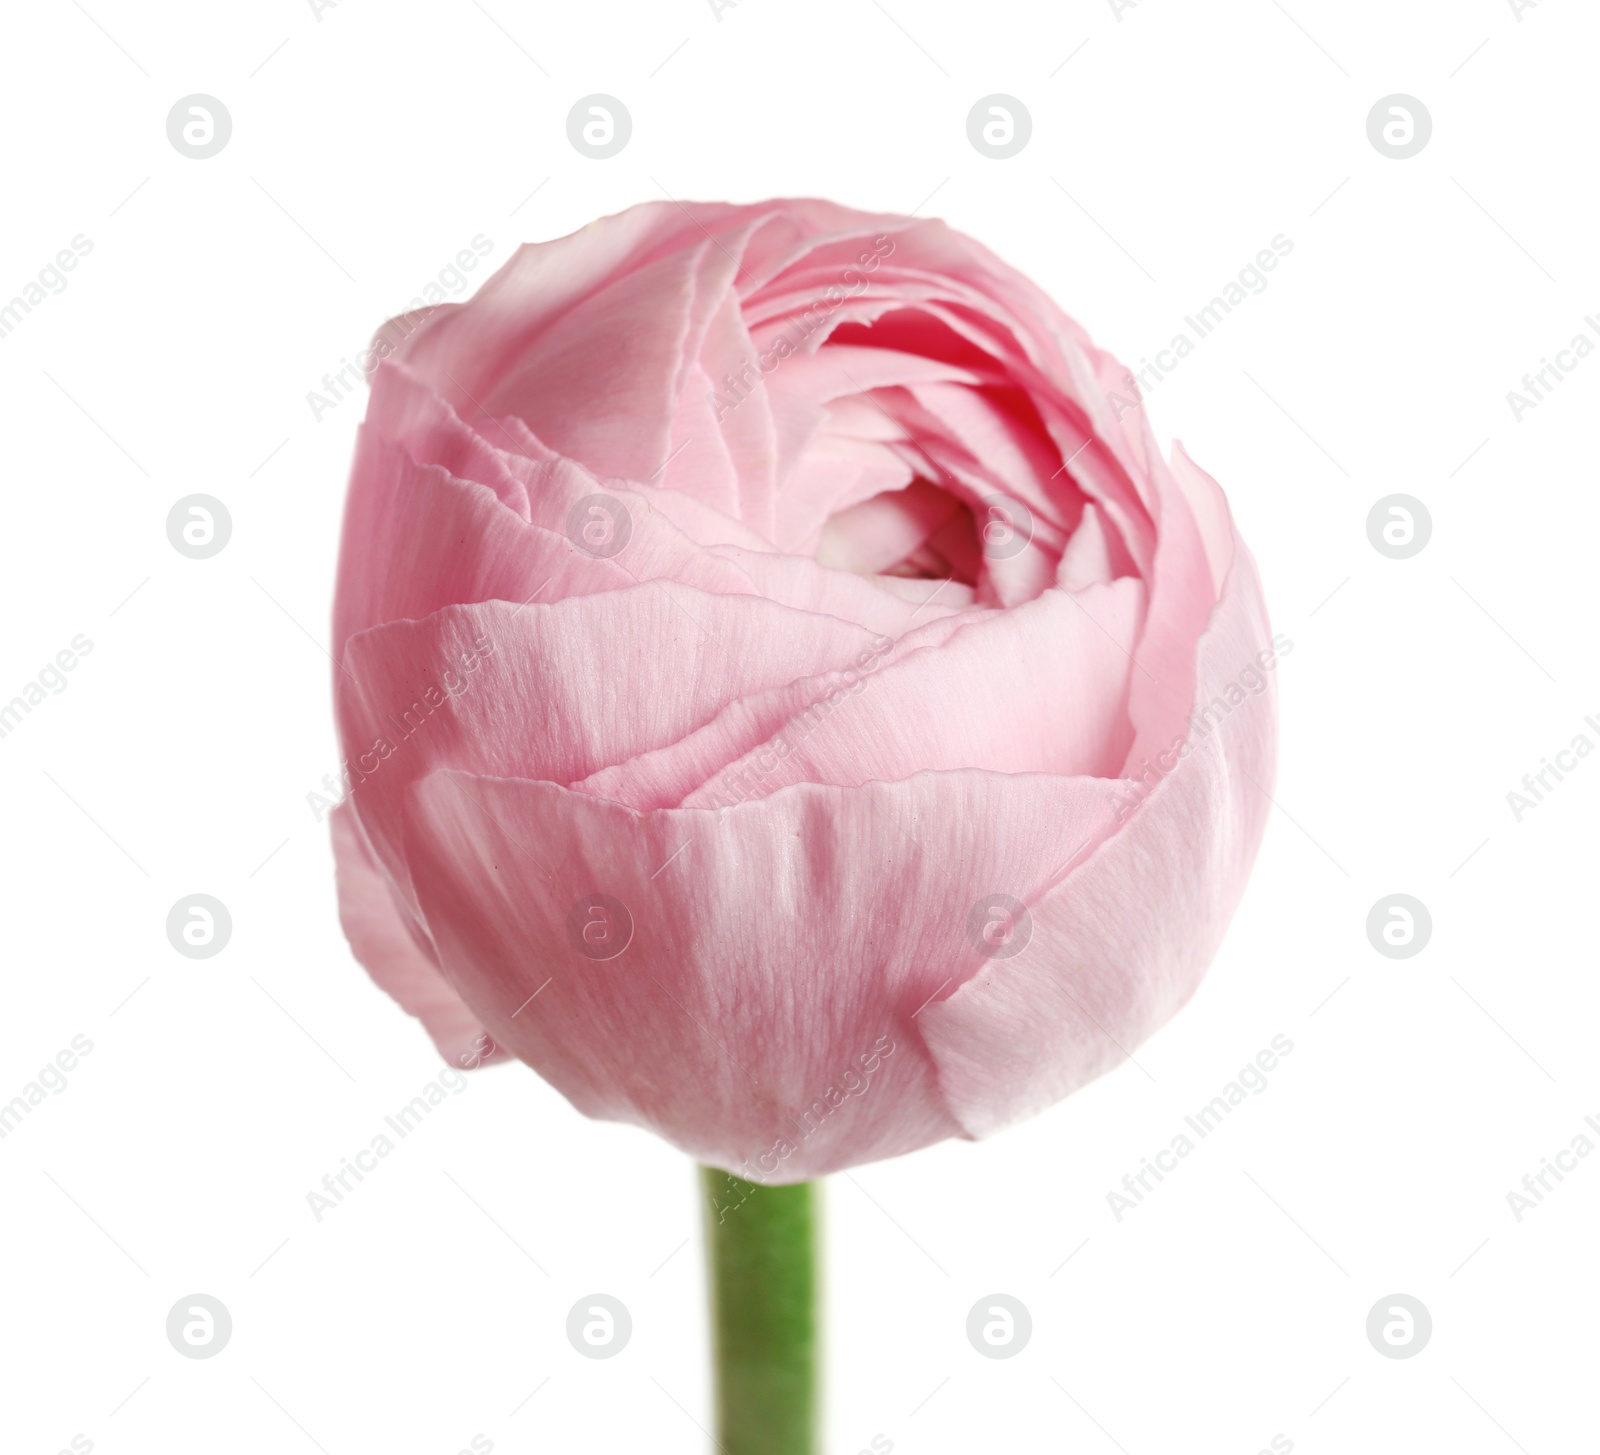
719 979
1120 944
394 951
562 691
953 705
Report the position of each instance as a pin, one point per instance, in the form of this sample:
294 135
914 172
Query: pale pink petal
844 369
892 605
880 532
395 954
600 383
771 948
1182 595
837 471
401 556
542 281
555 692
405 411
670 536
738 415
1039 689
664 777
1121 943
1210 508
699 467
1092 554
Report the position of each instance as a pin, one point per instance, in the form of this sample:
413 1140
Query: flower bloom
789 700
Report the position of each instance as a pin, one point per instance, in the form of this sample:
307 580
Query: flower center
921 531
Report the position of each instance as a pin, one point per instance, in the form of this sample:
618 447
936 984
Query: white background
1169 146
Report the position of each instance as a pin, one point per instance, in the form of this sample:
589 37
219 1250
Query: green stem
761 1256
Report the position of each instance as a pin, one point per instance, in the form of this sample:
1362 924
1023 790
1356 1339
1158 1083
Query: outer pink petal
394 953
1210 508
1041 689
405 524
771 946
599 383
558 692
666 776
561 691
401 552
465 350
1120 944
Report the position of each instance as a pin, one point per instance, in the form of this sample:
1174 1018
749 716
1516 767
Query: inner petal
902 532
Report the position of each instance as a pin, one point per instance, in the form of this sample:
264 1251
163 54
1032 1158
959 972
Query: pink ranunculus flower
788 700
